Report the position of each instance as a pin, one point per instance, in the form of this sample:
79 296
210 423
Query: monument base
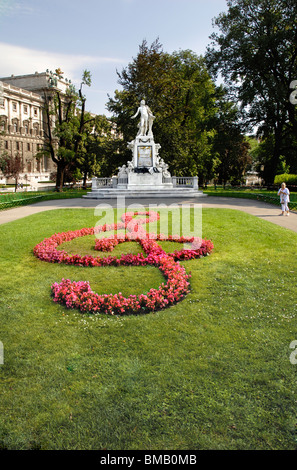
130 194
146 181
148 193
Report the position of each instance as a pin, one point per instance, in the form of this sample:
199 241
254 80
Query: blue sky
98 35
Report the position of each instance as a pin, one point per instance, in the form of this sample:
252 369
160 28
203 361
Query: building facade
22 122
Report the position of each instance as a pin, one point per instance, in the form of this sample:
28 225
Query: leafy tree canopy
181 94
255 52
67 124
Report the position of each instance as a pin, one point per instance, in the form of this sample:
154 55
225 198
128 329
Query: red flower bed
79 294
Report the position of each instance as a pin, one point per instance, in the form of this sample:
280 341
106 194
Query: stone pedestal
145 181
144 151
146 170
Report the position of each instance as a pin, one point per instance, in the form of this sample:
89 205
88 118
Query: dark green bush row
9 203
275 200
286 178
9 200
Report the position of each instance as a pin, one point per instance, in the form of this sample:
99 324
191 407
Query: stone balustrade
177 182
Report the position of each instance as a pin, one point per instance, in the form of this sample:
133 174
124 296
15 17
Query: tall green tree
256 53
230 143
66 122
181 94
99 154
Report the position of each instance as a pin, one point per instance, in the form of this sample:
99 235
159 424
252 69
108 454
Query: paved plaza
259 209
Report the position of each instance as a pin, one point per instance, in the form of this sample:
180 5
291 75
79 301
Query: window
17 145
14 106
15 126
28 146
35 112
45 164
25 109
36 129
6 144
2 103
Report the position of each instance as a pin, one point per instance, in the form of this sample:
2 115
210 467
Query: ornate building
22 122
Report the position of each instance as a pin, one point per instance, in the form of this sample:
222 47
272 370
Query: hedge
286 178
10 200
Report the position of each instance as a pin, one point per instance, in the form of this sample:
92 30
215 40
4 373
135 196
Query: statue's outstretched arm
137 112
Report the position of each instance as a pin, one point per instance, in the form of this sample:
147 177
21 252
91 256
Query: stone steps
111 193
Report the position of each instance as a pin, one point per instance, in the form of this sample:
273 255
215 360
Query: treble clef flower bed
79 295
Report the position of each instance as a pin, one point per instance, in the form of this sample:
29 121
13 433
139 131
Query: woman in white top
284 194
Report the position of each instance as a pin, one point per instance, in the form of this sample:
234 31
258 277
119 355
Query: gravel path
257 208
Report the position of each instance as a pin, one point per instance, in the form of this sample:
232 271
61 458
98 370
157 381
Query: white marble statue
162 167
146 119
122 171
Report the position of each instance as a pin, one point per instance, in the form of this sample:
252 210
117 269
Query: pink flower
79 295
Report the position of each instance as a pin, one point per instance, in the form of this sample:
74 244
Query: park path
257 208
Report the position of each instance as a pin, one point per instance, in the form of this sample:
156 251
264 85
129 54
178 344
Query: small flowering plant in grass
79 295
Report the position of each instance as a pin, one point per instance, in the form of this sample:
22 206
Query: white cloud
12 7
19 60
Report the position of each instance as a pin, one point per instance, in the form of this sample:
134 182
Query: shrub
286 178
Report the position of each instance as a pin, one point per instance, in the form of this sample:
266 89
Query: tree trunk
85 180
273 163
60 177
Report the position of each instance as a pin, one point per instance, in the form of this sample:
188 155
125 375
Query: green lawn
211 372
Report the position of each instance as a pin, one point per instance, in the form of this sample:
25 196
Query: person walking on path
284 194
